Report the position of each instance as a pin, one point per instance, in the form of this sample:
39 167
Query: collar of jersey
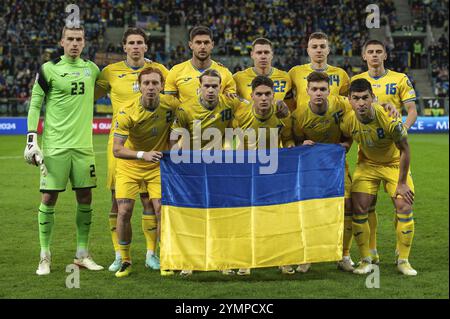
309 107
259 117
268 75
319 70
201 70
134 68
378 77
71 61
203 106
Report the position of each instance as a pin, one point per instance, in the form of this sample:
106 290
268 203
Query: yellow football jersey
145 130
392 87
250 120
281 81
376 139
121 82
193 110
339 81
308 125
183 80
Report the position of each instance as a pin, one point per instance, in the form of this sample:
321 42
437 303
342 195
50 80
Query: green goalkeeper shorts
63 164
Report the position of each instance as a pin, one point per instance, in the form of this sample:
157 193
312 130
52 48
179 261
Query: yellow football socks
405 233
347 242
113 229
361 233
149 225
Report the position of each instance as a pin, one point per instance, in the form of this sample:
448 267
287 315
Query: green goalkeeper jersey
67 86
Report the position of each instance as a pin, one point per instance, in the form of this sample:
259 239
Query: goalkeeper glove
33 154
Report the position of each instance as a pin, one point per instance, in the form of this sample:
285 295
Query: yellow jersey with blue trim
376 139
183 80
338 79
392 87
281 80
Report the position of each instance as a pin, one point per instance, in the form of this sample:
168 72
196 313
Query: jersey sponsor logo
187 79
71 74
121 75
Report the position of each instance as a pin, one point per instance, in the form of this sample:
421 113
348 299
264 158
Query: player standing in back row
120 80
67 85
183 79
389 87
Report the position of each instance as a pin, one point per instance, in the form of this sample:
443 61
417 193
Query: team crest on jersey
87 72
135 87
408 82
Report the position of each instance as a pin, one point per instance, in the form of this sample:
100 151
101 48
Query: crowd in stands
434 12
438 54
30 30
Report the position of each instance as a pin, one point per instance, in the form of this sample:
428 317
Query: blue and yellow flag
228 215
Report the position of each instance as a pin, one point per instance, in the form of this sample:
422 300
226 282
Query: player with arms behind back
67 85
383 156
120 80
183 78
318 51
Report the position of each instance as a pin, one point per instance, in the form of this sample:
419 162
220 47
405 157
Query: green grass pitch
20 246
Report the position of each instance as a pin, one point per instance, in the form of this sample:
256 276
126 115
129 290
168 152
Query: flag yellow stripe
252 237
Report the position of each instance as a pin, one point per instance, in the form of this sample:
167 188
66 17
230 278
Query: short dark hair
360 85
210 72
317 76
262 41
261 80
80 28
318 35
149 71
131 31
373 42
200 30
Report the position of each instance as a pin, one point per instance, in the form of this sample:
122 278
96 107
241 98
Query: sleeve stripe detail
120 135
170 92
42 82
410 100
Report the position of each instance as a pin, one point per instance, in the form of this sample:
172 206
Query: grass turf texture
20 246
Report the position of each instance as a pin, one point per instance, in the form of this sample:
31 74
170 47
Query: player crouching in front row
383 157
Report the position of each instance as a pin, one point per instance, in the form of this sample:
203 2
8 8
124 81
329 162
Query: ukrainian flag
229 215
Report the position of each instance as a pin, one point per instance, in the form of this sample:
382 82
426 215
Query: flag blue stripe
305 172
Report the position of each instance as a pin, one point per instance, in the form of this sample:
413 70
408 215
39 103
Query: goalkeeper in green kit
67 86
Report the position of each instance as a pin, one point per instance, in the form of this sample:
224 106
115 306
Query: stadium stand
30 30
